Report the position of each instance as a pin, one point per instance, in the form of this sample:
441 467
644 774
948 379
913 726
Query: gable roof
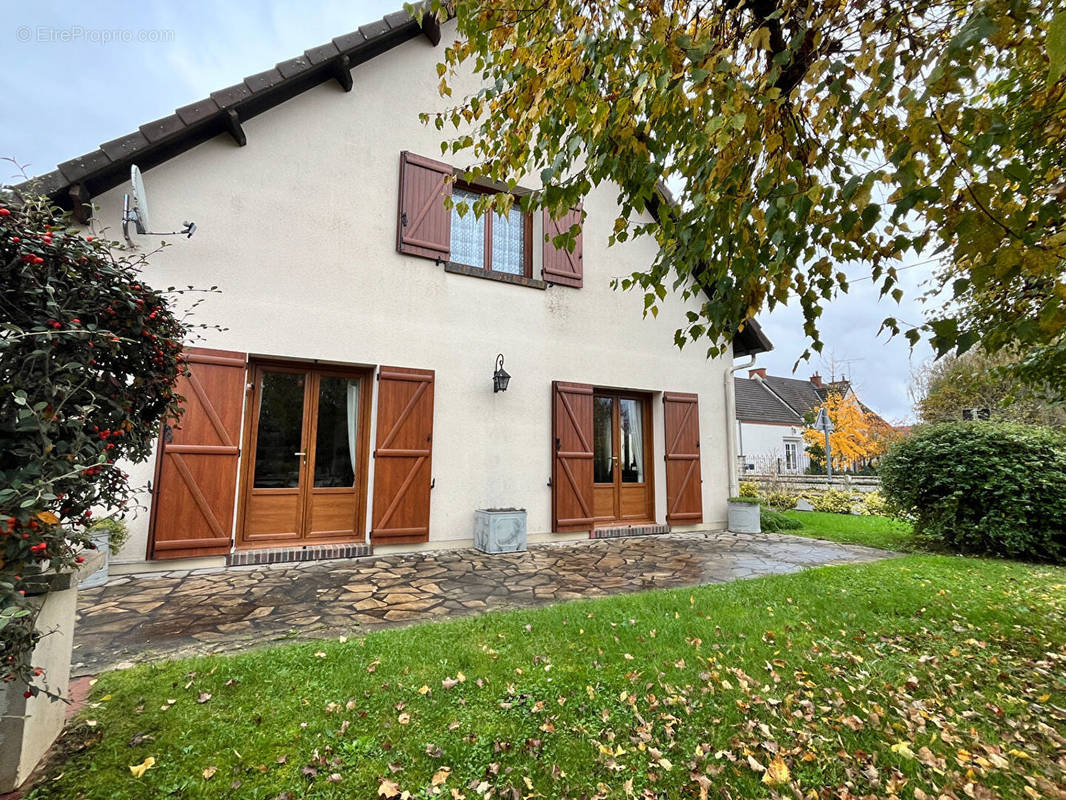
801 396
80 179
756 403
797 395
75 182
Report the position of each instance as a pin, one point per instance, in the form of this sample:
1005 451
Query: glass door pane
602 439
337 432
631 421
280 431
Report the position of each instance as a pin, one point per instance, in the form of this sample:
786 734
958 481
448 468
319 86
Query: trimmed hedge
983 487
774 521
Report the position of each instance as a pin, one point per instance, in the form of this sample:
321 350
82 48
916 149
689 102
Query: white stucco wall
760 444
298 231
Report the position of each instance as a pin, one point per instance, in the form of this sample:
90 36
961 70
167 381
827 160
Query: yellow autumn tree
855 437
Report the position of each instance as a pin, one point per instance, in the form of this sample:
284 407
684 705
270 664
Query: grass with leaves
883 532
918 677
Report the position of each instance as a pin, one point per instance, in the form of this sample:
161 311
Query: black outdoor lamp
500 378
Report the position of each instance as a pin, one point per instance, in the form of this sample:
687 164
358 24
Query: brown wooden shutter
571 456
402 458
424 227
562 266
684 493
196 470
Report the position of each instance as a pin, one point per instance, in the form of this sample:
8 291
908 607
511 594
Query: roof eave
75 181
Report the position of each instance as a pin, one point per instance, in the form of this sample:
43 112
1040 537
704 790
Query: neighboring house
770 414
345 400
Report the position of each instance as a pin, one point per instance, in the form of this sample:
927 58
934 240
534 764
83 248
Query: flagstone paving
165 615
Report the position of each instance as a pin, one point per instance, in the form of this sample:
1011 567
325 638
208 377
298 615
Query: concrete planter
28 726
500 530
744 517
102 540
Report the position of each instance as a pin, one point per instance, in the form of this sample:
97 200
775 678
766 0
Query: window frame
791 454
527 232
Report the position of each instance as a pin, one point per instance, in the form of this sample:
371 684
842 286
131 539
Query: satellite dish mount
135 211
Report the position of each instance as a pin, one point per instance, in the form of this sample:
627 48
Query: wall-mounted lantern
500 378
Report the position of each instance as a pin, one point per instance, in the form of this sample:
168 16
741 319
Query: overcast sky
74 76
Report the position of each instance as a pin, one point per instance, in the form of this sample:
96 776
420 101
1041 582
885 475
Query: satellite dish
137 212
140 201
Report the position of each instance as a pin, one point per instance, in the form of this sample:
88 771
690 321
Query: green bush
832 501
749 489
774 521
780 499
983 487
117 532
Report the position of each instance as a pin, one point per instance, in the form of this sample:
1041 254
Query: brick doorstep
628 530
286 555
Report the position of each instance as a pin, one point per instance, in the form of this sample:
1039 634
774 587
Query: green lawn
909 678
889 534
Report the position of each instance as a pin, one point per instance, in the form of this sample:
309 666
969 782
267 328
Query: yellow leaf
903 749
424 690
48 518
666 764
777 772
209 773
440 776
139 769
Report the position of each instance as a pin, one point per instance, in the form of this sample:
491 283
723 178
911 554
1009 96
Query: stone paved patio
133 619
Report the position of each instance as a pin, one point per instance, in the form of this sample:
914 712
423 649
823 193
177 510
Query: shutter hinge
432 483
403 218
558 446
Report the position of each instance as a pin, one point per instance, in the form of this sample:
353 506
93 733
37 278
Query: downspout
731 424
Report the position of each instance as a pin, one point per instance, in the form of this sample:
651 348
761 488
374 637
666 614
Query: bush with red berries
89 358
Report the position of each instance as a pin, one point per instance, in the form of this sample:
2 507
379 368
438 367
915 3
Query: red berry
88 238
27 693
16 239
75 321
80 559
4 212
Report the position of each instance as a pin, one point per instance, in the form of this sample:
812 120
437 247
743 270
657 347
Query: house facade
341 397
771 413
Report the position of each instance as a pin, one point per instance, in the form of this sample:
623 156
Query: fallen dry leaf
139 769
388 788
209 773
777 772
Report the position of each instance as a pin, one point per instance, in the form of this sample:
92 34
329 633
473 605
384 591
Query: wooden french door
304 479
623 492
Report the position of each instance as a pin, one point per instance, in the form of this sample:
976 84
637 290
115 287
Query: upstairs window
493 241
499 246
